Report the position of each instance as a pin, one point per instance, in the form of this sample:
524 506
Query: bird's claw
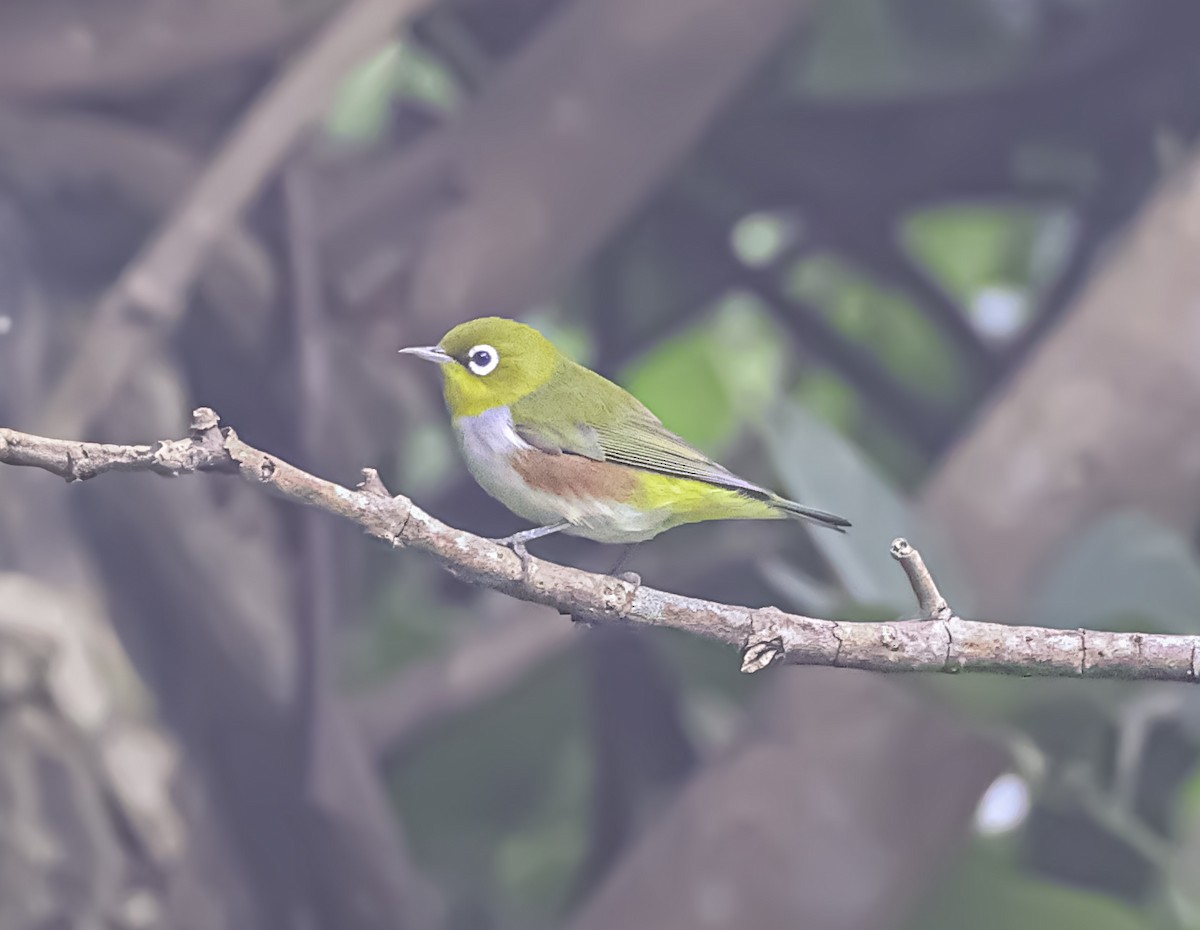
523 554
517 545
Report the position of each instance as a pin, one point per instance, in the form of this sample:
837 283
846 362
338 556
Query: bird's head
490 362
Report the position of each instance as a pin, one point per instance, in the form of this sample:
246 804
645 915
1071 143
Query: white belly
489 440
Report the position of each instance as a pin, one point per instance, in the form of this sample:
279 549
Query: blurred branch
711 255
894 401
887 156
209 606
887 258
91 785
399 711
767 635
561 147
150 296
836 782
123 46
641 747
1100 418
1080 788
1096 218
46 152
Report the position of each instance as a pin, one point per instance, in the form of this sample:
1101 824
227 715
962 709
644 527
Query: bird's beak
429 353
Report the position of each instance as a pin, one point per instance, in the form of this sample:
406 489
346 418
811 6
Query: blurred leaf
801 590
535 865
705 383
644 279
820 467
1124 572
887 48
1183 879
362 108
759 238
1072 169
850 52
714 693
829 397
982 893
679 382
883 319
969 246
749 355
407 621
421 76
426 455
1056 235
501 793
574 340
991 257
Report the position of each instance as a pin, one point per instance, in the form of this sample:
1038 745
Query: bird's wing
588 415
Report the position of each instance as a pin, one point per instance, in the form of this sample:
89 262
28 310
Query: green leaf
1183 878
884 320
422 76
362 106
706 383
970 246
749 355
984 894
1123 572
820 467
679 382
991 257
831 399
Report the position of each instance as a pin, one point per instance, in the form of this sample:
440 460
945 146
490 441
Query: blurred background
930 264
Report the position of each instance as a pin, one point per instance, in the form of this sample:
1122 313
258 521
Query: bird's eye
482 360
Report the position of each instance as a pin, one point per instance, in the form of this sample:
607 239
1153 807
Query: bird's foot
516 542
523 554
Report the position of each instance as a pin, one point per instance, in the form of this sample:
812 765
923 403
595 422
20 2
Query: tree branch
937 642
150 296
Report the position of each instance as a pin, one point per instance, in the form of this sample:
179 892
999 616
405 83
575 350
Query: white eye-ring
483 359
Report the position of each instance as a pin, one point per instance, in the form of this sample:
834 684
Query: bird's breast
488 434
489 441
597 497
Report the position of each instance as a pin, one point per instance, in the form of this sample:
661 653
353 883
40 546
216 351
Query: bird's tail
811 514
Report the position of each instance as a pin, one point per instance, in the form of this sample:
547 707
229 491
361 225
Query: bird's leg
516 541
626 552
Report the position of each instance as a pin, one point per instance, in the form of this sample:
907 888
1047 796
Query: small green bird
570 451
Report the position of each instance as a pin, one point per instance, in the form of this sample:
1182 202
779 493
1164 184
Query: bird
568 450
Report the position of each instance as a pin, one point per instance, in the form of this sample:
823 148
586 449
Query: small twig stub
930 603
